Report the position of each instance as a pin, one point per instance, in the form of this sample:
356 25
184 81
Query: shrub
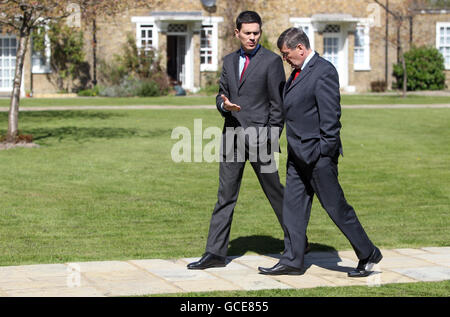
89 92
424 69
378 86
136 72
148 89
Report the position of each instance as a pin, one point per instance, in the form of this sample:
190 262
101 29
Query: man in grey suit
250 100
312 109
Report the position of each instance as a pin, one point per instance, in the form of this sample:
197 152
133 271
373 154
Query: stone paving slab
159 276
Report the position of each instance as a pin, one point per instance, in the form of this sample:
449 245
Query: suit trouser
230 177
302 182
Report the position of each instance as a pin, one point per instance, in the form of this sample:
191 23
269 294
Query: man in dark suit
250 100
312 109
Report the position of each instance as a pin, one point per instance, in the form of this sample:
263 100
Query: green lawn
210 100
102 186
421 289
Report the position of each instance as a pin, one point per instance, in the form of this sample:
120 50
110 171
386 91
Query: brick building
192 38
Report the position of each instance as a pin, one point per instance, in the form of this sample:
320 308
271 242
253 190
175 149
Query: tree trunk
94 51
405 77
13 118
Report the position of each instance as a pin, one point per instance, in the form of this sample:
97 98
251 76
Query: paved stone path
157 276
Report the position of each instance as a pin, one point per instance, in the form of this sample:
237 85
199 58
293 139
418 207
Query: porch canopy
321 20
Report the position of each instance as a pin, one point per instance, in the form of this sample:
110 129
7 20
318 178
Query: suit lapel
252 65
236 68
288 82
303 74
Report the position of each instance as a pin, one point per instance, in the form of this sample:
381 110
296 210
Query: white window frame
305 23
43 66
143 22
440 25
11 63
365 64
214 47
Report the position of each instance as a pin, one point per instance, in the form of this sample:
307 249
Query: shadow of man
321 255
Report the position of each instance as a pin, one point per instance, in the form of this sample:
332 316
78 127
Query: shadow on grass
81 134
66 114
321 255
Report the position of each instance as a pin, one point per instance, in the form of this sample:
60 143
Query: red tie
247 61
296 74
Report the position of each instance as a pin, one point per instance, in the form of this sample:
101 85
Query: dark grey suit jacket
259 94
313 110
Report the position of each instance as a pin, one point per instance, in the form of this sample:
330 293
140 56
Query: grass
369 99
103 186
420 289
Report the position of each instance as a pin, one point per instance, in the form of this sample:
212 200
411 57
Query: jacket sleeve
276 80
223 90
328 100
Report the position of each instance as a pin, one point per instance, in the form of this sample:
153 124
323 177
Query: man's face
249 35
294 57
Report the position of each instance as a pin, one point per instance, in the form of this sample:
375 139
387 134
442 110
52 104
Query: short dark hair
248 17
292 37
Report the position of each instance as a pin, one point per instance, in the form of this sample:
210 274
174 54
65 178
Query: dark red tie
247 61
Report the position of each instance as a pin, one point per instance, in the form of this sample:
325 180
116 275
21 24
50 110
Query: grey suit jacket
259 94
313 111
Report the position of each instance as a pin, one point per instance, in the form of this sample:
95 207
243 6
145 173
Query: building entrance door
176 58
334 50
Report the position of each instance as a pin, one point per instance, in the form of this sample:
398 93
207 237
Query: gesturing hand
227 105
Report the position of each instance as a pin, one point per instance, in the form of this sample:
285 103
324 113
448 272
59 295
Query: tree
68 57
91 9
401 11
21 17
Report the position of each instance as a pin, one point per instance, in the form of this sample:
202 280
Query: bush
424 69
136 72
89 92
148 89
378 86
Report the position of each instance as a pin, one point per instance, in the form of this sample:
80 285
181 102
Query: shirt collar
308 59
252 53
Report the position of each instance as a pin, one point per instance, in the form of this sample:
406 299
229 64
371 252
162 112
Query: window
8 50
361 56
331 50
208 47
40 61
306 25
146 32
443 41
146 39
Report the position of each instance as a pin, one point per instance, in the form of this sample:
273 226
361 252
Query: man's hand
227 105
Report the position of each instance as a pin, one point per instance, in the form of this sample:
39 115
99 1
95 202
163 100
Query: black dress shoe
208 260
281 269
307 248
362 268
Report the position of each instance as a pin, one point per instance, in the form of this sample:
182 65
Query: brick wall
112 32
